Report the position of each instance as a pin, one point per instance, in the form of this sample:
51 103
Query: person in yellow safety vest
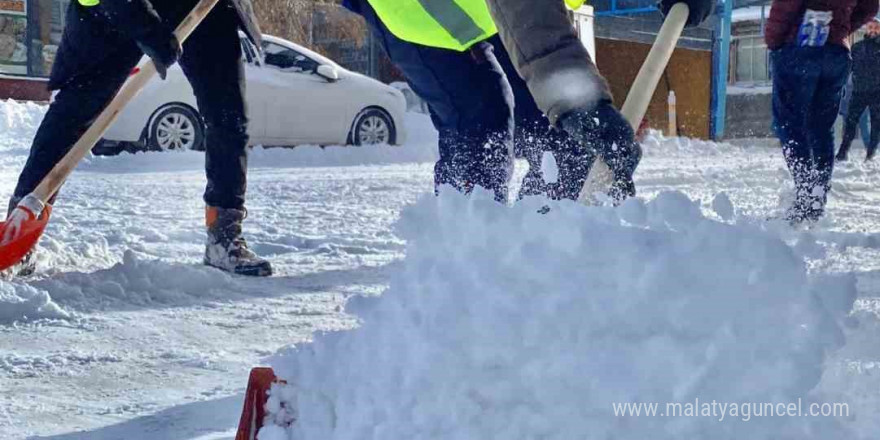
102 42
452 56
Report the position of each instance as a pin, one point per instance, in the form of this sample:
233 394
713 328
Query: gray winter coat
549 56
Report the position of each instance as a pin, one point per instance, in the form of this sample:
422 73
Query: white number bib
815 28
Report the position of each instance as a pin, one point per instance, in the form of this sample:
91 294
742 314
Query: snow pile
503 323
20 302
279 415
18 124
137 281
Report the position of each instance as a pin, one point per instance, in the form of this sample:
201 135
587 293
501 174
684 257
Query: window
30 32
285 58
52 14
13 38
750 60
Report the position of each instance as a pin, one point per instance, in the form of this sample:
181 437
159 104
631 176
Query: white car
294 96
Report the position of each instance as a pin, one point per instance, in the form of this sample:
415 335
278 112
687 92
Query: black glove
162 47
700 9
608 134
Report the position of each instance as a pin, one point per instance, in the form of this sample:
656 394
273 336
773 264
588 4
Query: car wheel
371 127
176 127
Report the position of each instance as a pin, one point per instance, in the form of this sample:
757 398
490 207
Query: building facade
30 31
625 30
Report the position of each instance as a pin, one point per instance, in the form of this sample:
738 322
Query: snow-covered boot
227 249
808 206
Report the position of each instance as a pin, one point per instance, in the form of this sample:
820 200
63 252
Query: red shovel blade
12 252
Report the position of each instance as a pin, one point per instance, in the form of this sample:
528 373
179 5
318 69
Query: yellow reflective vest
447 24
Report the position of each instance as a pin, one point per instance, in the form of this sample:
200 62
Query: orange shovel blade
11 253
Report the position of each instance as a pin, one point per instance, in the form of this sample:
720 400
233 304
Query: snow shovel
21 231
600 178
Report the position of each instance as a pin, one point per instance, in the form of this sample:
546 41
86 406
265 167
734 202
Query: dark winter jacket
92 33
352 6
786 17
866 65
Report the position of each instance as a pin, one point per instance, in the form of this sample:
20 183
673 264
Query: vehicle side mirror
327 72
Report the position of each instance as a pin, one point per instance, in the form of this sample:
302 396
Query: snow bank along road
125 335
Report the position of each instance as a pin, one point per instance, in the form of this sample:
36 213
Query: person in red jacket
810 63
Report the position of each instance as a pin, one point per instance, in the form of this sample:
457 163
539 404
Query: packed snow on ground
757 89
395 314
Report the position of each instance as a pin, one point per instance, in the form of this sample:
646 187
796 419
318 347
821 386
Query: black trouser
465 92
807 86
212 61
860 102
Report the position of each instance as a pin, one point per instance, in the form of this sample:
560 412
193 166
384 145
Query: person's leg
864 128
212 61
531 127
534 135
858 105
795 78
466 93
874 111
528 145
822 114
566 85
70 114
530 124
75 107
494 165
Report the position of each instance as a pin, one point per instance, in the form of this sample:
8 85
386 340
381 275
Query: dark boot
532 185
798 212
809 205
226 249
842 154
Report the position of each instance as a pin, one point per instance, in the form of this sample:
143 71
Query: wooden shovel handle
640 93
643 87
135 83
